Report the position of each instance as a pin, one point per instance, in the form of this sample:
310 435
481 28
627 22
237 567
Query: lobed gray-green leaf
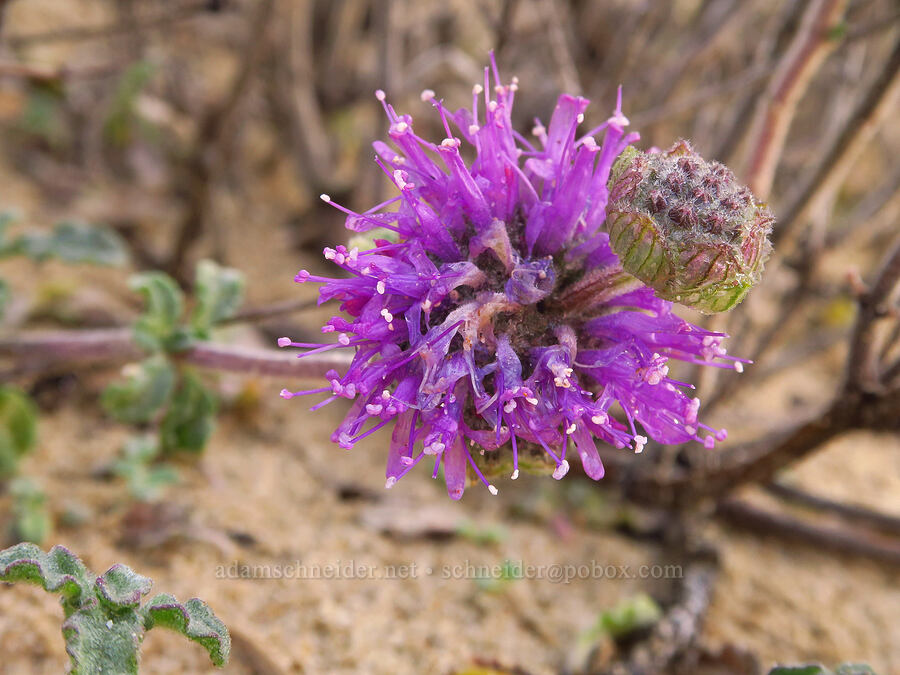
146 389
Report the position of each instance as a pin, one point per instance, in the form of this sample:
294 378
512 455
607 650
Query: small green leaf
498 583
4 296
219 292
164 306
140 449
57 571
75 243
105 625
120 587
18 428
121 119
146 481
83 243
838 31
43 116
98 643
635 613
146 389
194 619
853 669
31 519
7 218
477 534
190 419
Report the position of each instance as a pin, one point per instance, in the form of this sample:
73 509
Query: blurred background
188 130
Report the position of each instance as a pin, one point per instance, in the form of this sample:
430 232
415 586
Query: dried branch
809 48
214 129
849 512
76 34
293 100
861 373
556 15
840 540
875 107
864 218
681 625
271 310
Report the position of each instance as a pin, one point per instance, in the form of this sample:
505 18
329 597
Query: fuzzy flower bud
685 227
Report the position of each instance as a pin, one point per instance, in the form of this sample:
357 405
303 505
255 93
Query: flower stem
43 350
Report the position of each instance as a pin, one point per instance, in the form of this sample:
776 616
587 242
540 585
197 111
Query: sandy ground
273 491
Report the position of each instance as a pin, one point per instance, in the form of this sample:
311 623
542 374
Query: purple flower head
492 324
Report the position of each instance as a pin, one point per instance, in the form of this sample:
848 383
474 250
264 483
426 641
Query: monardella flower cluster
493 324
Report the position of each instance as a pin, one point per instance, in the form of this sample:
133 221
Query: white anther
325 198
380 287
561 470
426 95
639 443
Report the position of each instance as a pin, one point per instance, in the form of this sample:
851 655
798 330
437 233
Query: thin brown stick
30 72
49 74
789 309
263 312
76 34
861 373
840 540
212 130
293 99
262 361
773 117
703 95
863 220
849 512
875 108
864 30
556 15
760 460
48 349
679 628
892 374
